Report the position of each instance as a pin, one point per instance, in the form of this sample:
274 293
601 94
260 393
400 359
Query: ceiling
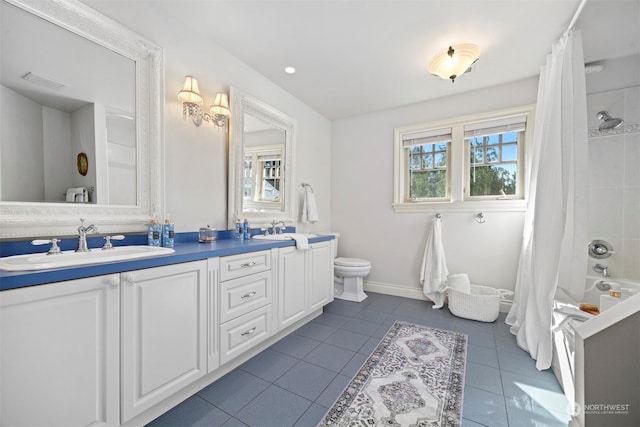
358 56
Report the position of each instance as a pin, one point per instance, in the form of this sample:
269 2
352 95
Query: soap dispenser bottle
168 230
155 231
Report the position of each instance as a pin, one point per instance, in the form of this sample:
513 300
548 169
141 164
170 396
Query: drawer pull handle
249 295
248 264
249 332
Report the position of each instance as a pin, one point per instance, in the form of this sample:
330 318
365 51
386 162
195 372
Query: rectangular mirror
79 138
261 169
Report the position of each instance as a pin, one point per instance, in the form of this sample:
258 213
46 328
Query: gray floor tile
192 412
520 362
329 357
483 339
354 365
316 331
333 390
469 423
360 326
384 305
269 365
312 416
537 391
306 380
295 345
368 347
484 407
507 343
231 392
372 316
522 413
232 422
332 319
482 355
275 407
483 377
347 339
345 308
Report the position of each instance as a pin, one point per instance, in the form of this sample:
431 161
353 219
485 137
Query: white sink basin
283 236
43 261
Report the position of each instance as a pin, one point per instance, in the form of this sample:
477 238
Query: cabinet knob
130 278
113 281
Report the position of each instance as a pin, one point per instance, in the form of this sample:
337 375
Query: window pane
428 184
415 162
477 155
490 180
493 139
509 152
492 154
510 137
427 161
441 160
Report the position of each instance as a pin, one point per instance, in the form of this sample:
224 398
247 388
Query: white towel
302 242
459 282
434 272
309 207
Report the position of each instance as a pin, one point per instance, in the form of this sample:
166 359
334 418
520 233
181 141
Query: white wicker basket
482 303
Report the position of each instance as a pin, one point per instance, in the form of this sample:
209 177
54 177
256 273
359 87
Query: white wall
362 179
59 162
362 193
196 158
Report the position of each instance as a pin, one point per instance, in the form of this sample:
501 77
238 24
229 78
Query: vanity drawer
234 266
242 295
241 334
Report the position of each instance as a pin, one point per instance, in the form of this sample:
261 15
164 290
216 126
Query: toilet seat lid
351 262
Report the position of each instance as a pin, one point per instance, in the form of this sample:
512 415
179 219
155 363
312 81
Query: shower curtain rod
575 16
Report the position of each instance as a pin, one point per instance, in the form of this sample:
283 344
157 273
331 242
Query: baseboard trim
414 293
396 290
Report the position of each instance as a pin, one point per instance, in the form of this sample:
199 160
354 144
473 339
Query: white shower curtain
554 240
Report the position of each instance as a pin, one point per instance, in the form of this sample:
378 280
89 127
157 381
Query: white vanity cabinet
59 354
305 281
164 333
245 302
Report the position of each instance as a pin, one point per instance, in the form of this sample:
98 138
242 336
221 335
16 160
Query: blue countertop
184 252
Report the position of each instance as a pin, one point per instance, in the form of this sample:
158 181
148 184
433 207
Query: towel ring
305 185
480 218
438 215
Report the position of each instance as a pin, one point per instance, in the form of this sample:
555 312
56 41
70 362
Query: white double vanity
122 348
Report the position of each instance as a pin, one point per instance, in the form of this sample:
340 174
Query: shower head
609 122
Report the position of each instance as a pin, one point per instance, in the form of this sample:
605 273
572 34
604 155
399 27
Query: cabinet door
320 275
164 314
291 286
59 353
213 354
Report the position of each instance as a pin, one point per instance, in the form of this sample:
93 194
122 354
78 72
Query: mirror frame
242 103
31 219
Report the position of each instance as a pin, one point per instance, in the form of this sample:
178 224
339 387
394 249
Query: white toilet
349 273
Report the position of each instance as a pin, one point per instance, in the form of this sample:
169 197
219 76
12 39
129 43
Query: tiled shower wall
614 180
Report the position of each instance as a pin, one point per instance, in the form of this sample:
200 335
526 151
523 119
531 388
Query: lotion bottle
168 232
155 231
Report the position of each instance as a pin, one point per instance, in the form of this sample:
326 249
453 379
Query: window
473 162
494 163
427 157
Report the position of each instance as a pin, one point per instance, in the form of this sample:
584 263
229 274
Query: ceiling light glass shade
455 61
220 105
190 92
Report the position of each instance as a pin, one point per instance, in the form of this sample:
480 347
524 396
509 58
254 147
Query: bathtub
563 329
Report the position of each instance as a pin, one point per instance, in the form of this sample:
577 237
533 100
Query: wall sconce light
192 102
456 61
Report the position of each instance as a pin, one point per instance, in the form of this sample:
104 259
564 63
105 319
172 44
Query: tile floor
296 380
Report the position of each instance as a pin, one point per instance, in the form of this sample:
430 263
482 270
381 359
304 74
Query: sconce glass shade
190 92
220 105
455 61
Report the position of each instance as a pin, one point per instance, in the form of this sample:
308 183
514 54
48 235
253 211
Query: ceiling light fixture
456 61
290 69
192 100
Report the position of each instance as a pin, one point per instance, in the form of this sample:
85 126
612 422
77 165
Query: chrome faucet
274 224
599 268
82 236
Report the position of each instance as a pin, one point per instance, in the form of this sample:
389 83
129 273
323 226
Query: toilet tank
334 242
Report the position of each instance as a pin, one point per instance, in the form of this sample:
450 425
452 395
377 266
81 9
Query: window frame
458 158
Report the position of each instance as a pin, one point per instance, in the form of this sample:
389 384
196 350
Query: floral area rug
415 377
